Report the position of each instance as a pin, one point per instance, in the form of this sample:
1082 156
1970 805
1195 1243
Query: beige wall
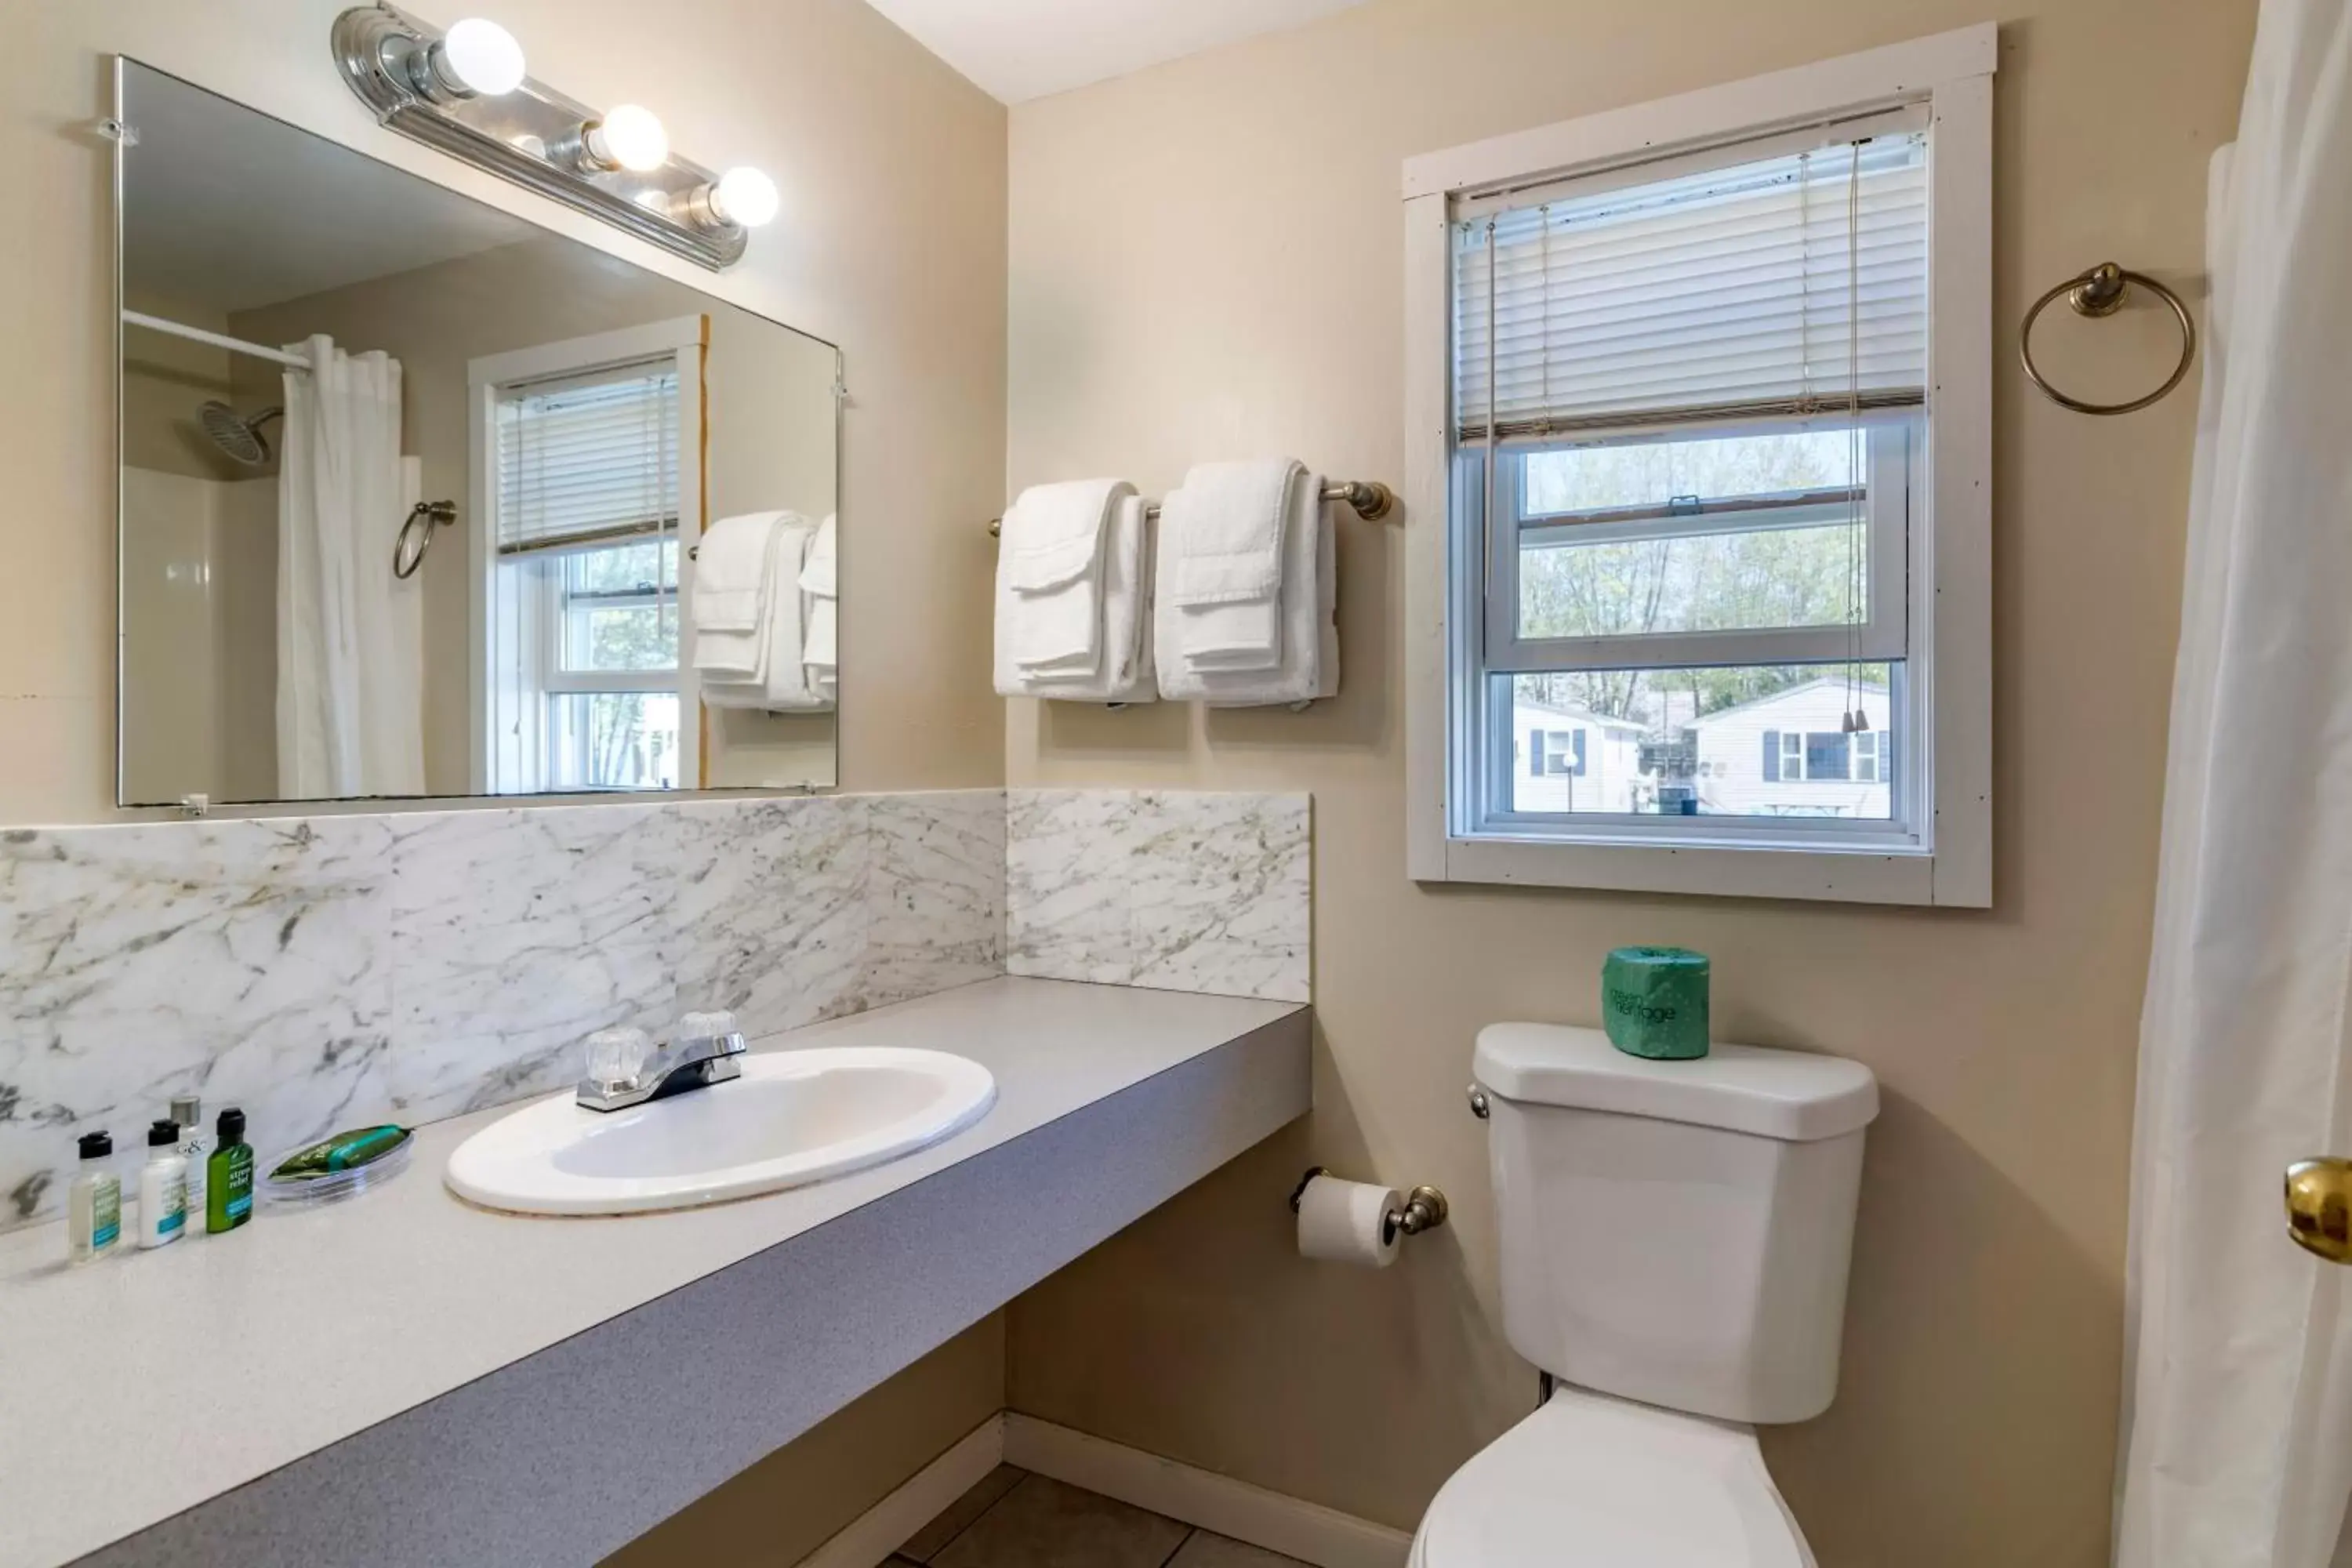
1205 263
890 244
785 1507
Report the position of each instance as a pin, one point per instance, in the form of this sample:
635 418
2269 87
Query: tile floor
1015 1519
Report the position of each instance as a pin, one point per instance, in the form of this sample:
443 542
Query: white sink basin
793 1117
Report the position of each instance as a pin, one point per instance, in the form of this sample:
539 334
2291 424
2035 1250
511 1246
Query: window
582 687
1555 753
1712 388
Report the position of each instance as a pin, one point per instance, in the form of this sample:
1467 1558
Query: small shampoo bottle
188 1115
163 1187
94 1202
228 1185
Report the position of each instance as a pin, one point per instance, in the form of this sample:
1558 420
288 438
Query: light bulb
745 195
482 56
628 137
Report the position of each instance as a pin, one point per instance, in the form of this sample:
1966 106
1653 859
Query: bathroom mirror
413 489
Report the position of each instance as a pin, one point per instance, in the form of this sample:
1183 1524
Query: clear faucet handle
616 1057
716 1024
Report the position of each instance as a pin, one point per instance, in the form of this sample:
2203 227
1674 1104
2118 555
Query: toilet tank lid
1797 1097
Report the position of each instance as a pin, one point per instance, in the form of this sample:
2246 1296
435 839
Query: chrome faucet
624 1070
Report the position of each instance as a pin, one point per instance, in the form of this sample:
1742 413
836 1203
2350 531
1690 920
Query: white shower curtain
2238 1405
350 636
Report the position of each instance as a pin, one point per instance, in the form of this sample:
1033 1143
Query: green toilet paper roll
1654 1002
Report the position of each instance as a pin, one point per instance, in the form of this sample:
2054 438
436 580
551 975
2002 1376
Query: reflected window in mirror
583 683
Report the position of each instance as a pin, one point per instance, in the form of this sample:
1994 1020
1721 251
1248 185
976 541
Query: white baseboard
1309 1532
889 1524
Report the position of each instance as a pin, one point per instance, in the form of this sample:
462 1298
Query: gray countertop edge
565 1455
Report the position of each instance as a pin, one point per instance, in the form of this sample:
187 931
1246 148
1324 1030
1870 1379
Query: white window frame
488 378
1946 858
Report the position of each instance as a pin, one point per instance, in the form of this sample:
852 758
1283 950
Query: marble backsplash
1170 890
329 971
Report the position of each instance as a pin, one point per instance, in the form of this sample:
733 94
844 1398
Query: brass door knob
2319 1207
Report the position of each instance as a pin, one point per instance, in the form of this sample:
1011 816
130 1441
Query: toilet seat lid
1588 1481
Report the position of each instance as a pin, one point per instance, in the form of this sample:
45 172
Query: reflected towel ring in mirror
417 535
2100 292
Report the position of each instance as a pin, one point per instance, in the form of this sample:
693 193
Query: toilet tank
1675 1232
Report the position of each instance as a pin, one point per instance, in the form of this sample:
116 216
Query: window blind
1782 285
588 460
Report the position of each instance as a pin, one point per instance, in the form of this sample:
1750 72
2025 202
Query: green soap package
1654 1002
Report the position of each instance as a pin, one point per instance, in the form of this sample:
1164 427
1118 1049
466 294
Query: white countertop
144 1385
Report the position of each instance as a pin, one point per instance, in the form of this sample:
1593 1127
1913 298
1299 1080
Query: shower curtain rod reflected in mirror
217 339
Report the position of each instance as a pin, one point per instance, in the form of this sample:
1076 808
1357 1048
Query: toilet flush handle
1479 1106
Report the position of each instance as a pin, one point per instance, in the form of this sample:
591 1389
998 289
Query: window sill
1857 876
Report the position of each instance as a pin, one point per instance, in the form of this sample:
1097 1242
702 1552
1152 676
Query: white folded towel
820 580
1223 531
1310 668
1049 574
1049 580
1126 673
734 568
821 575
780 683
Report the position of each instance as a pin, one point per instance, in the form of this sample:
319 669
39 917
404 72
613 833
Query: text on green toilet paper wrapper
1626 1005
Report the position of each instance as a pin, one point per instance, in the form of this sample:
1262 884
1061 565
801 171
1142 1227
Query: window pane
603 638
622 568
1603 477
620 608
612 739
1766 740
1728 533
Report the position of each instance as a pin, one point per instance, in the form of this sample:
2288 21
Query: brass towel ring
408 550
2100 292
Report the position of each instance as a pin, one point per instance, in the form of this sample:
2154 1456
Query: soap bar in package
1654 1002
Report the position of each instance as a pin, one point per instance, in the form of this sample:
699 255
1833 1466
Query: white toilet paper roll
1347 1221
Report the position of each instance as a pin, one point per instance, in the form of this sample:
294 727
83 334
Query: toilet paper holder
1424 1207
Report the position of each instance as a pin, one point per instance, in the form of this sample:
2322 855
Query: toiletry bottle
197 1149
163 1187
94 1202
228 1185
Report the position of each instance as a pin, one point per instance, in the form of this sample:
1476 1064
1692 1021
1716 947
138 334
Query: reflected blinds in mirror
588 460
1767 286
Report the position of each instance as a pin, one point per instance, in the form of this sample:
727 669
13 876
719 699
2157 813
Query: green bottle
228 1176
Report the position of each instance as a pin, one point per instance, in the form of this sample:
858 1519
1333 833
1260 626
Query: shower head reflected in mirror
235 434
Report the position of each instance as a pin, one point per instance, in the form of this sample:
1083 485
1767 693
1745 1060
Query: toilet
1675 1240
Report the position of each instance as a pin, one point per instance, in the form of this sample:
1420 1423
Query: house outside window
1714 400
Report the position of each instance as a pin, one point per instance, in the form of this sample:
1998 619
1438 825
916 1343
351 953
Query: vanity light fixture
464 92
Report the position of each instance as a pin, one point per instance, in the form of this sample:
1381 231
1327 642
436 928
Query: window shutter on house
1772 756
1535 755
1579 753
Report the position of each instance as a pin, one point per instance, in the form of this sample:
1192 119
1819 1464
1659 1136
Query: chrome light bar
402 68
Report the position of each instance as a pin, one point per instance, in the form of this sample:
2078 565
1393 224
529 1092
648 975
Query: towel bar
1372 499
